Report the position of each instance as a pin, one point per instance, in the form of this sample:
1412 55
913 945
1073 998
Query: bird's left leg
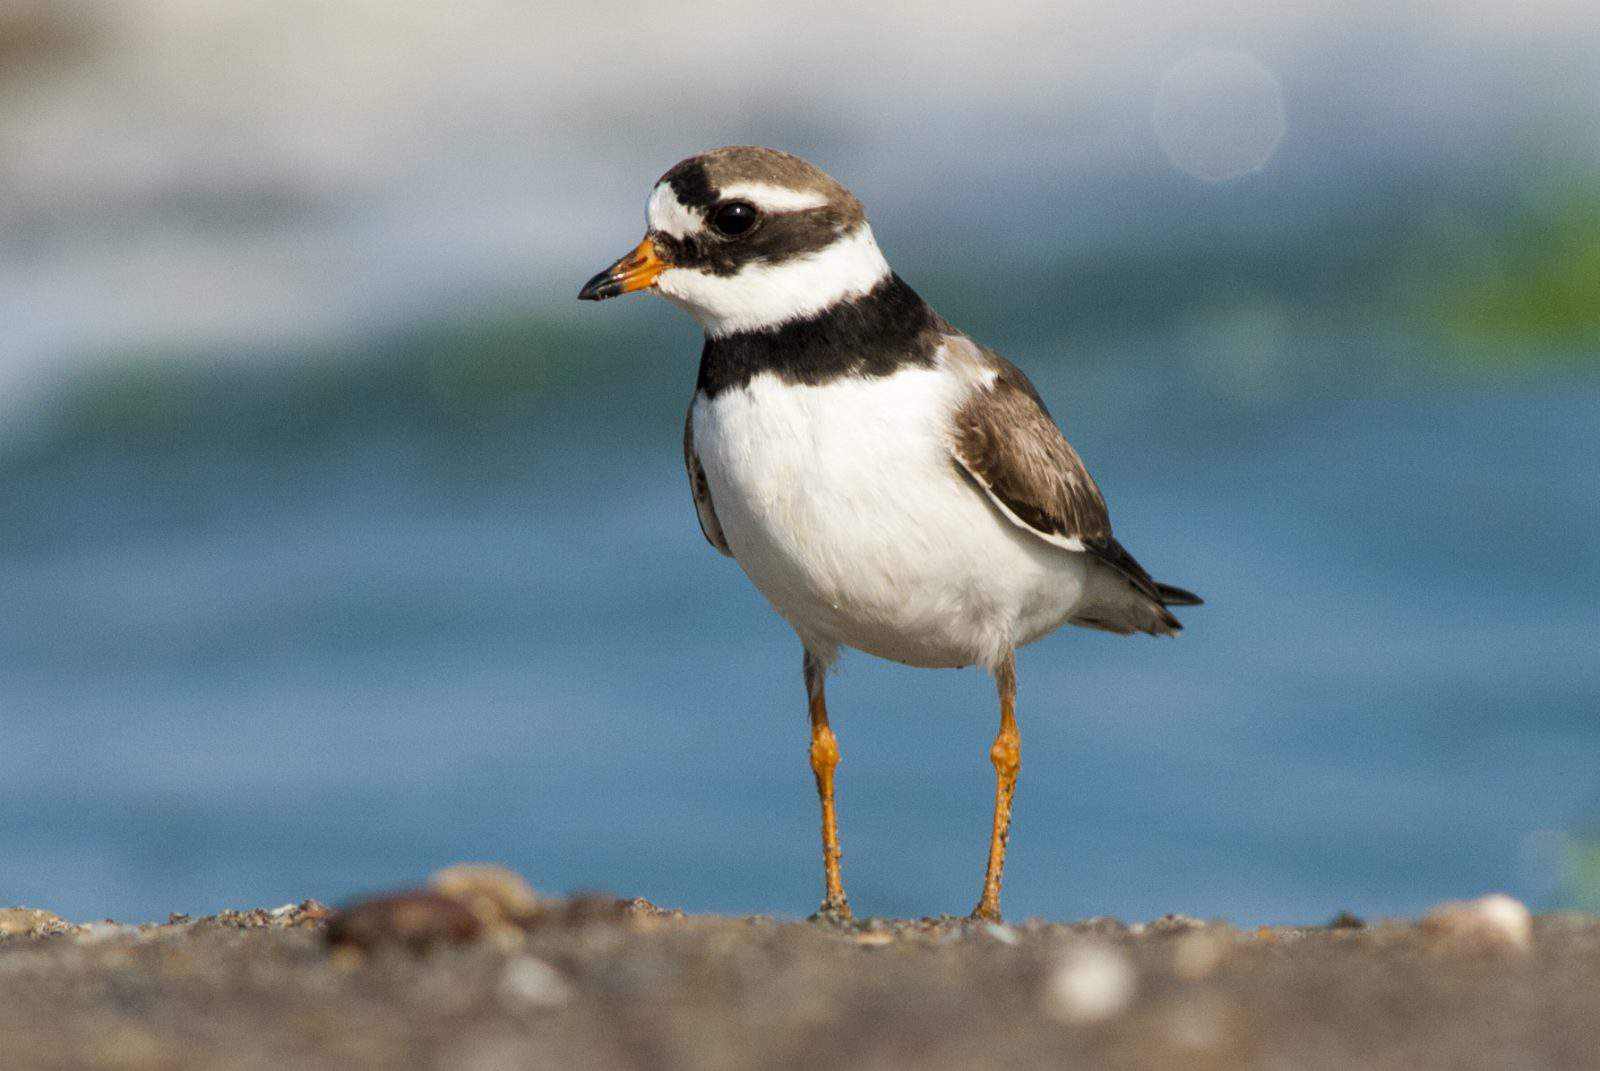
824 757
1006 754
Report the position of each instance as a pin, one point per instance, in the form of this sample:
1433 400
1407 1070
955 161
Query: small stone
498 896
304 915
1006 935
31 922
533 983
639 909
1344 920
95 932
1092 983
418 920
1198 954
315 911
874 938
1494 923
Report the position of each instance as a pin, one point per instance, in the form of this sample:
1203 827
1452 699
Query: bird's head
745 238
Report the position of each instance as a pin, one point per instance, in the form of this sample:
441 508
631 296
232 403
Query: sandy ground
429 982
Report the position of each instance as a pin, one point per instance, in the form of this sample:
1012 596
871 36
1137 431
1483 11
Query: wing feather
1005 440
710 527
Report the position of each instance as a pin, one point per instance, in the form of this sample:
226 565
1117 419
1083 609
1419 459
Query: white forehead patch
667 214
772 198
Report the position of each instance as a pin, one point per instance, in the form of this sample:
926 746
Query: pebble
498 896
1092 983
417 920
314 911
533 983
1198 954
31 922
91 933
1494 923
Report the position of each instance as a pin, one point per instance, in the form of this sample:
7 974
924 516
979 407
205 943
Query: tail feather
1176 596
1108 605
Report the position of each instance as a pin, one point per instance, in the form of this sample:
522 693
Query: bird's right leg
824 757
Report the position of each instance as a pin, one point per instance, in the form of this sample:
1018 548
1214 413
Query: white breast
844 507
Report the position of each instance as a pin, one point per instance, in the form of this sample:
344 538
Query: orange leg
824 757
1006 754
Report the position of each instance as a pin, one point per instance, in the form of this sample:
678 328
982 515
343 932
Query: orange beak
636 271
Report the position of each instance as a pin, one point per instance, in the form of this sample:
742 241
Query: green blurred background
338 542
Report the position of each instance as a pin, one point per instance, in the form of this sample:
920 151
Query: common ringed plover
885 481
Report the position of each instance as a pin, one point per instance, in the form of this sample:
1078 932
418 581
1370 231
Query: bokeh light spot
1219 114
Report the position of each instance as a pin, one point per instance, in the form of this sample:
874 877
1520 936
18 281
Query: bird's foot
833 910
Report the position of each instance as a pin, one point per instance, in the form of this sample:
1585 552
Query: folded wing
1004 439
709 525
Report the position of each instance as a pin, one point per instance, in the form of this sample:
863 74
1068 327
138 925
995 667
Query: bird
889 484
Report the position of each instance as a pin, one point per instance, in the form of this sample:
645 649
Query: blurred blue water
235 677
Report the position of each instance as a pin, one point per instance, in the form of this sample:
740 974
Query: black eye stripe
780 237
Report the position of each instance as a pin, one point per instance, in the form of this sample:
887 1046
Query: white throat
766 295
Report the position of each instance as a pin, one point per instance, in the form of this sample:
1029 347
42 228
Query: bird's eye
734 217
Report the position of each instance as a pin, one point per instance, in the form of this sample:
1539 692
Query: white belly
843 506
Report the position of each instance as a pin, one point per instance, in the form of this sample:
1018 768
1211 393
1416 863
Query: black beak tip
602 286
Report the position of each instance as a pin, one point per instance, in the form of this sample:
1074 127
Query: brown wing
1006 441
701 491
